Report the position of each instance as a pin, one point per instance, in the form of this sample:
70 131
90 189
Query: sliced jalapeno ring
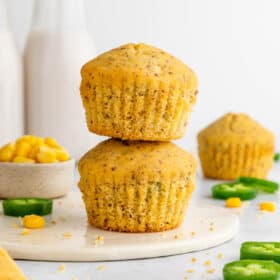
260 184
276 157
227 190
260 251
251 270
20 207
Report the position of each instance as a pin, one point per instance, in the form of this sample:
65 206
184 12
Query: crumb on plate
211 270
67 234
101 267
207 263
25 231
220 256
99 240
61 268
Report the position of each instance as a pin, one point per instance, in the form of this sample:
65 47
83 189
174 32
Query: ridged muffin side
138 92
235 145
136 186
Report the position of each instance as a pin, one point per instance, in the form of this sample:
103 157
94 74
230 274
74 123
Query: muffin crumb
61 268
101 267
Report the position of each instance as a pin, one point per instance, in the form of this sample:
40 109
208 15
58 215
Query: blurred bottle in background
11 86
57 47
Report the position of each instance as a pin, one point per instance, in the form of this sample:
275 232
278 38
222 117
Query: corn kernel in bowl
33 149
7 152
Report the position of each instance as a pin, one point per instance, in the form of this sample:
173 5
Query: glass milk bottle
57 47
11 87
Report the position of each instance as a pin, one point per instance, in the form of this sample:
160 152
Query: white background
233 45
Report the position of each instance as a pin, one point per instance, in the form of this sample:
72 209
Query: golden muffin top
143 61
139 159
237 127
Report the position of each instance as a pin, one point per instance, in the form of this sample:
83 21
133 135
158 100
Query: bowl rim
37 165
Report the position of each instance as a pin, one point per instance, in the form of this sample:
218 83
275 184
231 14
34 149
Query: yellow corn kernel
233 202
31 139
34 150
20 159
62 154
22 149
46 155
51 142
33 222
7 152
39 141
267 206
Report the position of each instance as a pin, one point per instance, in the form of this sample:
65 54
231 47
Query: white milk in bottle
11 87
57 47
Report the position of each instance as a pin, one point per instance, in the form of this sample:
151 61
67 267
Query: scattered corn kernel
193 233
267 206
233 202
7 152
190 270
33 221
21 159
193 260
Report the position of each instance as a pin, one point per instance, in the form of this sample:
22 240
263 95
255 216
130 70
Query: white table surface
254 226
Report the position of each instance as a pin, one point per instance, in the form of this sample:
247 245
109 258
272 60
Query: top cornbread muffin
235 145
138 92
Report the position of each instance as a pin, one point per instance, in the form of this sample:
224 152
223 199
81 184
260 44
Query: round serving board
67 237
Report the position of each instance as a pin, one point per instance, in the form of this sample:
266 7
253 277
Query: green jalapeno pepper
227 190
260 251
260 184
251 270
276 157
20 207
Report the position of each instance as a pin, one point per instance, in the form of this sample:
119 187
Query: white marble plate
69 238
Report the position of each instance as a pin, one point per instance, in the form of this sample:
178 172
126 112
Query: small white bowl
46 180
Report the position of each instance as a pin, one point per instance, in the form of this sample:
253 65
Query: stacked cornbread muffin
142 97
235 145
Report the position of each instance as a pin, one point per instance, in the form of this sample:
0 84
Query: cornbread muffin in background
235 145
138 92
136 186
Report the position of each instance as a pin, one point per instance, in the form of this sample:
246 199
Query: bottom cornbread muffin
235 145
136 186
